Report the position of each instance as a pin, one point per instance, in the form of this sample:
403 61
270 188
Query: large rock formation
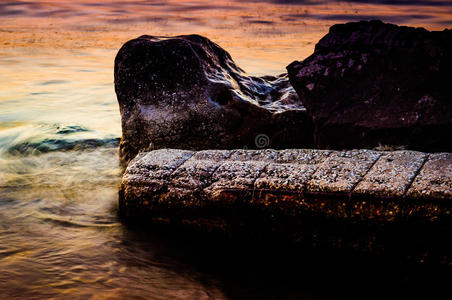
186 92
367 84
370 83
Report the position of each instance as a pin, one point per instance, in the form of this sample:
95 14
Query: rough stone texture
291 169
434 179
186 92
147 175
369 84
391 175
240 171
265 155
297 179
188 181
339 199
342 171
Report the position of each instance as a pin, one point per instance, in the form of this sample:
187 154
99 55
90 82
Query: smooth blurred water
60 235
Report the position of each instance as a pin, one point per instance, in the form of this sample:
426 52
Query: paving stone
190 178
303 156
285 176
149 174
197 171
291 170
289 178
235 175
267 155
158 164
391 175
434 180
241 170
341 171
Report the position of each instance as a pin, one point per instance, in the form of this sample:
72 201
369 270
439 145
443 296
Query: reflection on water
59 131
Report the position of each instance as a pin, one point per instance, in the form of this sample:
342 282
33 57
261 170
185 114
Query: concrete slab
291 169
434 180
235 175
148 175
334 183
341 171
391 175
197 171
188 181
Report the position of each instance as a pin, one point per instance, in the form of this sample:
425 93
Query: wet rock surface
369 84
186 92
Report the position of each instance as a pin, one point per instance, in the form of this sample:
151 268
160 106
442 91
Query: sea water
60 234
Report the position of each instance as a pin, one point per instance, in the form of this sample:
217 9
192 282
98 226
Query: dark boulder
369 84
186 92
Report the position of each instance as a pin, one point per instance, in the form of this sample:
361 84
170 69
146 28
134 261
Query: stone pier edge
418 190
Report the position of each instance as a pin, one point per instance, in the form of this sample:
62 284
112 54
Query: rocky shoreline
368 86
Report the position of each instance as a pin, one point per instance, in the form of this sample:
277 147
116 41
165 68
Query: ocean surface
60 234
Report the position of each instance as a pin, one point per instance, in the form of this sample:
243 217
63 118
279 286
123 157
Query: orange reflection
263 36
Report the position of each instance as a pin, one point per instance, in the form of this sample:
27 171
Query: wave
48 145
73 222
35 139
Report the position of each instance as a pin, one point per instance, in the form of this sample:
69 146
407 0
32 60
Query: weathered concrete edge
163 183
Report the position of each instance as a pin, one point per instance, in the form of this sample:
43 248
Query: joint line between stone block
415 175
364 175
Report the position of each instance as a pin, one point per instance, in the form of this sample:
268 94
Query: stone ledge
395 203
364 184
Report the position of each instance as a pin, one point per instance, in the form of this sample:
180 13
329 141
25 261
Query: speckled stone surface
291 169
235 175
189 179
148 175
364 184
240 171
391 175
342 171
434 179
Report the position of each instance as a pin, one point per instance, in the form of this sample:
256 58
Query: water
60 126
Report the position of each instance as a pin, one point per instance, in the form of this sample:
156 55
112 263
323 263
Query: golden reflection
59 230
261 35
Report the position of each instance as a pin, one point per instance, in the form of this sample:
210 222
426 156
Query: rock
369 84
186 92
